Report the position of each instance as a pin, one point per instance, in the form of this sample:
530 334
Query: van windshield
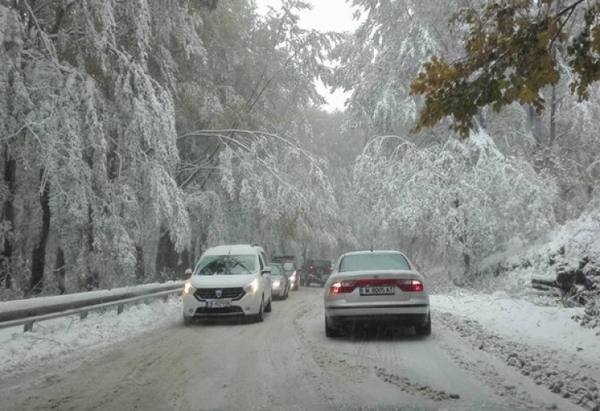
226 265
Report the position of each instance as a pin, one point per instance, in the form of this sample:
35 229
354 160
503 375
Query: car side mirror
187 274
266 270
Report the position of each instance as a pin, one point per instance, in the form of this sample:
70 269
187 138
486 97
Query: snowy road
285 363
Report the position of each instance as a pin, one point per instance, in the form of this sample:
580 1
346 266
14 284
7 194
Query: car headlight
252 288
276 283
188 288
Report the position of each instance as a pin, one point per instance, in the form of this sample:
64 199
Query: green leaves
511 52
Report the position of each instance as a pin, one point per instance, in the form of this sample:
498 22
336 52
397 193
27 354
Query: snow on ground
521 321
542 342
67 335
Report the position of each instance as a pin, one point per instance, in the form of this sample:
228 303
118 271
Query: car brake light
344 287
417 286
410 286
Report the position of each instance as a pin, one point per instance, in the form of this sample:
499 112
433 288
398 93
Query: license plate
382 290
218 303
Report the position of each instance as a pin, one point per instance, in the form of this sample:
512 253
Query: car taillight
344 287
410 286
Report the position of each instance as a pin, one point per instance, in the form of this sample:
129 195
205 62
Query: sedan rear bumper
405 314
392 319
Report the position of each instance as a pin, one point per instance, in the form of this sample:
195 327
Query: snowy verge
543 343
524 322
68 335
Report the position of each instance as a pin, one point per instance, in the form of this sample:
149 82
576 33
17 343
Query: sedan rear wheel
331 332
424 329
260 317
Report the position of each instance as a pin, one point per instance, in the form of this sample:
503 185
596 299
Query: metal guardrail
27 312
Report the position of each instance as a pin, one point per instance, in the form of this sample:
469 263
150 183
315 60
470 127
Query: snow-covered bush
458 201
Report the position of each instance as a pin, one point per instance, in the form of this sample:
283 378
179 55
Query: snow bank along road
286 363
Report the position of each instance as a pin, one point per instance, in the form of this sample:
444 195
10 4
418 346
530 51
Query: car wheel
424 329
331 332
260 317
187 320
268 308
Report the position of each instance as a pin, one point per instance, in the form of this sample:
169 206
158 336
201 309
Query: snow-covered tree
378 62
458 202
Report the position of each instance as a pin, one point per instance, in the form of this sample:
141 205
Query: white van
229 280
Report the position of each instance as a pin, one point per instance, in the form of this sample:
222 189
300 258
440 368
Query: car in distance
291 270
281 283
316 271
229 280
376 286
293 275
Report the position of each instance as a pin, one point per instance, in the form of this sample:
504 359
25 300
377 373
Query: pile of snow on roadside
543 343
61 336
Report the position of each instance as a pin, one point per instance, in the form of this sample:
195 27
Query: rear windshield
276 270
226 265
373 261
288 266
321 263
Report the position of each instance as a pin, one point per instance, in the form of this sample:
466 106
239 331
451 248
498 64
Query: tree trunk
140 272
38 261
166 257
462 238
553 109
10 168
535 126
92 279
60 270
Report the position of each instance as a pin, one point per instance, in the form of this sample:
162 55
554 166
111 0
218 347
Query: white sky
326 15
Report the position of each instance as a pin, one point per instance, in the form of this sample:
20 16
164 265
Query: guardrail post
83 315
28 327
120 308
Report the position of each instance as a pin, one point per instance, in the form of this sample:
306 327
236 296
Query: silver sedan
376 286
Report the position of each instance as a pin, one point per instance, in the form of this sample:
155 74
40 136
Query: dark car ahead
316 272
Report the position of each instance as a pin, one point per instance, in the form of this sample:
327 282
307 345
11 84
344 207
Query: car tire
424 329
268 307
260 317
331 332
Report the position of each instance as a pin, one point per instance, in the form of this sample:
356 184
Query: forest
135 134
